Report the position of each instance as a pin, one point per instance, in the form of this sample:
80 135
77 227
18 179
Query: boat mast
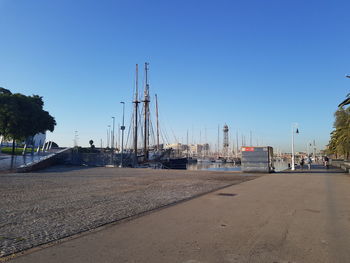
237 144
218 141
146 114
136 102
157 123
187 143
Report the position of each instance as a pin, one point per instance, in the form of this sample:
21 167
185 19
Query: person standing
308 162
326 162
301 162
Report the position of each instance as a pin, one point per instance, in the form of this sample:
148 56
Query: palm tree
339 143
346 101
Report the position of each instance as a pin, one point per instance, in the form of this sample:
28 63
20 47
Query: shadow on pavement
63 168
315 169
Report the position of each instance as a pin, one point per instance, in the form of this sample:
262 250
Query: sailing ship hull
176 163
191 160
204 160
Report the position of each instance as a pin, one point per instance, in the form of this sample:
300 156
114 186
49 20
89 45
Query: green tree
339 143
92 146
346 101
23 116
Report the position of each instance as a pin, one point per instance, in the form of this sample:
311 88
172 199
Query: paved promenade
36 208
285 217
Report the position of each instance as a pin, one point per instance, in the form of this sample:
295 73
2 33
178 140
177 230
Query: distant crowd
308 161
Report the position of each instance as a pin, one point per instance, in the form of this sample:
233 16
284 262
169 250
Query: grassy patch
19 239
18 151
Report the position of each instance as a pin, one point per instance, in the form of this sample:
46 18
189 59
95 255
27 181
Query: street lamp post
122 128
108 135
293 157
75 138
112 146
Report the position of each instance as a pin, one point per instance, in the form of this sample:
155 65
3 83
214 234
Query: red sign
248 149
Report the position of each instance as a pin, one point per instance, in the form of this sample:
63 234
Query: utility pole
136 102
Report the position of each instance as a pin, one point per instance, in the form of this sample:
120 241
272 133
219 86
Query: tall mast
187 143
157 123
218 141
251 141
136 102
237 143
146 113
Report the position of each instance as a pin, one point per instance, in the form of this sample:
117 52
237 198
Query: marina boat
220 160
203 160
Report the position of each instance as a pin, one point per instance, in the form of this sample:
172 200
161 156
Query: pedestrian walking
302 163
308 162
326 162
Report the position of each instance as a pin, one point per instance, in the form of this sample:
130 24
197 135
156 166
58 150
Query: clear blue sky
256 65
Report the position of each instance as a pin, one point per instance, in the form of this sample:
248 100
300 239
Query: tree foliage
339 143
23 116
345 102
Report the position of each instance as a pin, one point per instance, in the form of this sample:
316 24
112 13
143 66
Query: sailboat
155 156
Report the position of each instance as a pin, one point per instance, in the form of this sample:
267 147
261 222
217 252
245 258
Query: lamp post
294 127
112 144
108 134
75 138
122 128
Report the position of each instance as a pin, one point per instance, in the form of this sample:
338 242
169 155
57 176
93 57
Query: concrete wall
345 165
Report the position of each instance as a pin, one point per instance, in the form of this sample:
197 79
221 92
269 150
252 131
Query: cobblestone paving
37 208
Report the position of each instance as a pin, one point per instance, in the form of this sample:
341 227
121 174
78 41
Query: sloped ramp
46 161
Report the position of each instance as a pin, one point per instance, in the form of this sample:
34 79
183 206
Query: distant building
196 149
175 146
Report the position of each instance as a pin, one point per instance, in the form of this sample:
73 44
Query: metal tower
225 144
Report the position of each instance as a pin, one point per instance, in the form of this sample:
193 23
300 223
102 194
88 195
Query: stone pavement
36 208
284 217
